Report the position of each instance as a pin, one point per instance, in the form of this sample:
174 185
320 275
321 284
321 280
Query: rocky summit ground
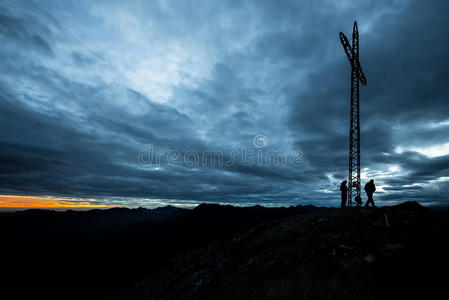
357 253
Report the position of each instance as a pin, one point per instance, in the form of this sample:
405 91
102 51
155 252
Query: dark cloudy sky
86 86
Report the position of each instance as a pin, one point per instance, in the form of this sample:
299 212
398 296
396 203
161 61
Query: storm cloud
87 87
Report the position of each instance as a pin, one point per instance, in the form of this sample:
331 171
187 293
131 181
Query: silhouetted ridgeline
225 252
91 254
382 253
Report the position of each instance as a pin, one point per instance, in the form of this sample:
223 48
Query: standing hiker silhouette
344 193
370 188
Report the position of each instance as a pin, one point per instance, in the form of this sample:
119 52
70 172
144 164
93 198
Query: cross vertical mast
352 52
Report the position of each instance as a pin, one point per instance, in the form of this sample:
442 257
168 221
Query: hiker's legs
370 200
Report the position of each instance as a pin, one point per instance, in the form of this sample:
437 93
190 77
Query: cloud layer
87 86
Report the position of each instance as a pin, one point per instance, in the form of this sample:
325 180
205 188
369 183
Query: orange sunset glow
21 202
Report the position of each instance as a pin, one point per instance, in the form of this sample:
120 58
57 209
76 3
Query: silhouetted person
358 200
344 193
370 188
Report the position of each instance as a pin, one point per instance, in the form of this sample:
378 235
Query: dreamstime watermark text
258 155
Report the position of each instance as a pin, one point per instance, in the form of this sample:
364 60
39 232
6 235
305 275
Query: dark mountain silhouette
378 253
96 253
222 252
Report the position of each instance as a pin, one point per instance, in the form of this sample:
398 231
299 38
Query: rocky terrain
225 252
98 253
377 253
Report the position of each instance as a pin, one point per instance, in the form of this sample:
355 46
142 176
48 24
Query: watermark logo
259 155
260 141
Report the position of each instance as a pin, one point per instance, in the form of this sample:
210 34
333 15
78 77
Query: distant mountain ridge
115 247
223 252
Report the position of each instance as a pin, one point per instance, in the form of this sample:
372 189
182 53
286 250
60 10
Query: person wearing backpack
370 188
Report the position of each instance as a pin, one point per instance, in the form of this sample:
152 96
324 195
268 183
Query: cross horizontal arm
350 54
361 74
346 46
